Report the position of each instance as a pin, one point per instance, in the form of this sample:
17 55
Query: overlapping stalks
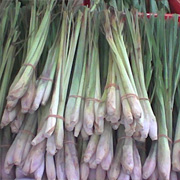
81 86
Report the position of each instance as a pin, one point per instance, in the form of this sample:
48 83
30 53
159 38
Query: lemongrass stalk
106 162
127 160
100 115
28 98
9 116
5 143
40 136
38 174
34 158
71 159
115 168
92 174
1 161
123 176
42 122
116 117
9 161
111 92
130 129
84 135
126 109
12 34
100 173
91 147
98 87
60 164
28 130
150 163
8 72
47 92
3 27
92 162
164 159
51 146
16 124
175 150
48 72
104 144
79 125
26 151
154 175
137 171
50 167
84 168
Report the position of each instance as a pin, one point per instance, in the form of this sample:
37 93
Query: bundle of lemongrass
152 6
78 107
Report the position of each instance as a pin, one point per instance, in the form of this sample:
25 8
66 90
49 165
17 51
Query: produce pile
88 92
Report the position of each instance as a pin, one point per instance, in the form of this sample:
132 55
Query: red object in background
175 6
87 3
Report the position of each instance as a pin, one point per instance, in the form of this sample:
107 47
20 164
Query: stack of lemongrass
78 106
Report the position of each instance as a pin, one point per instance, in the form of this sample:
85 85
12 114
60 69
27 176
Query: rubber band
46 79
27 132
112 85
93 99
177 141
124 137
76 96
28 64
163 135
126 96
144 99
70 142
56 116
5 145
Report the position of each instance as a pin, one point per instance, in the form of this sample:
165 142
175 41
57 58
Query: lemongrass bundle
45 80
5 143
149 122
72 113
8 47
64 65
113 28
71 159
93 88
113 103
20 147
36 44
